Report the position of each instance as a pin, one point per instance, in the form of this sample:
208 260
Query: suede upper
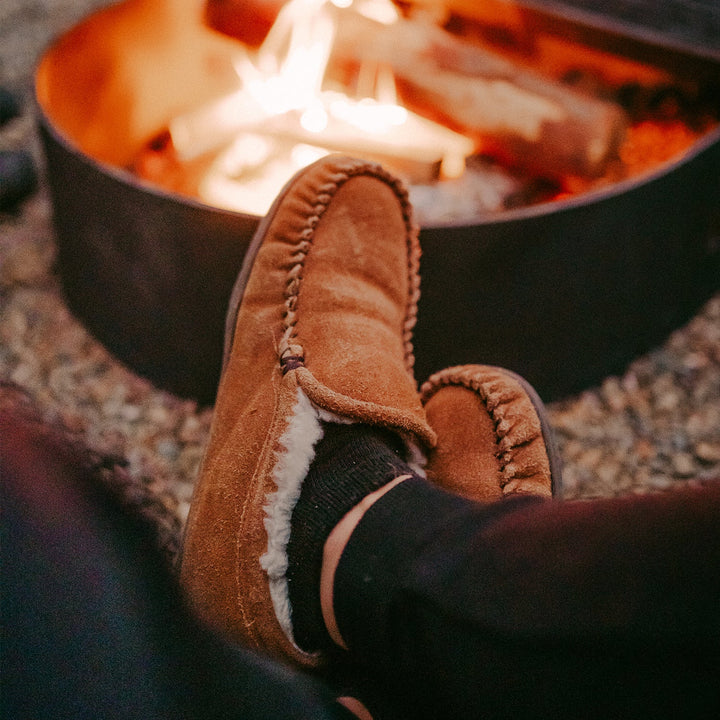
325 307
491 441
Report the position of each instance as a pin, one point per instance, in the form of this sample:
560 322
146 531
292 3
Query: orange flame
283 116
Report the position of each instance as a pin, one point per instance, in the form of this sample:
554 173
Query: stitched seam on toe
290 351
497 404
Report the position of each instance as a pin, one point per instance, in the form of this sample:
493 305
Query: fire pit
565 288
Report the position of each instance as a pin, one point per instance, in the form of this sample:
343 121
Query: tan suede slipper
319 328
493 436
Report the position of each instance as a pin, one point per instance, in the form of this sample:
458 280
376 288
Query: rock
613 394
707 452
660 482
18 177
683 465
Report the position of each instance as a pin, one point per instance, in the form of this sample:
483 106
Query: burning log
282 99
516 115
419 149
520 117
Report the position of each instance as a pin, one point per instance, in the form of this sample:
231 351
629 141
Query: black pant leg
534 609
94 625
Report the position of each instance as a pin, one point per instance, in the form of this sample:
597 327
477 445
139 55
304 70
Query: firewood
528 120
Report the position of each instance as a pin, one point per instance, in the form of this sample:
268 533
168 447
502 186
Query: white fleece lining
293 464
416 458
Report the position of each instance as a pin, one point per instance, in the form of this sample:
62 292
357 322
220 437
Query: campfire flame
283 116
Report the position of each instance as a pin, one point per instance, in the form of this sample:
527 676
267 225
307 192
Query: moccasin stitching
493 391
290 351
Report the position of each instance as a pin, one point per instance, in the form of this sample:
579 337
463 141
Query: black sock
351 461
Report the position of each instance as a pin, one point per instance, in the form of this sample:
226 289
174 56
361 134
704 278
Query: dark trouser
537 609
93 624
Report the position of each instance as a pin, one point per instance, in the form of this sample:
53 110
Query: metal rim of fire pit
565 293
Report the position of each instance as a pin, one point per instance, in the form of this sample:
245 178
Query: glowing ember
283 117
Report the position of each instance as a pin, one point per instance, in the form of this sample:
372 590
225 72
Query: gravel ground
650 429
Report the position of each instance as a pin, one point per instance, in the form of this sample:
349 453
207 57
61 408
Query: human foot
319 331
494 439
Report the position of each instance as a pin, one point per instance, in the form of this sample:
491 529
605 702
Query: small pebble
683 465
707 452
660 482
613 394
168 449
9 106
18 177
